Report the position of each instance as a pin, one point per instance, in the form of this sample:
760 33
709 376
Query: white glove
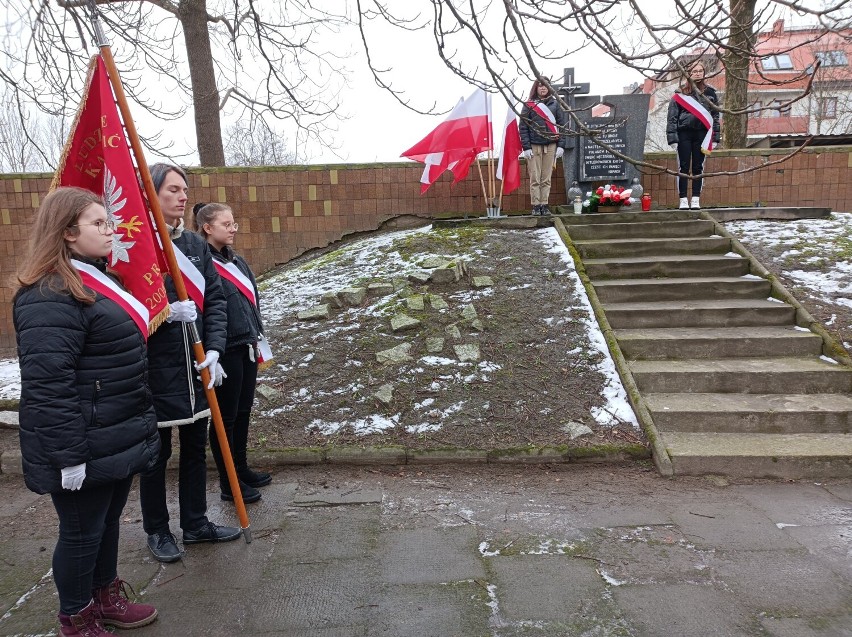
527 154
72 477
217 377
211 359
183 311
559 152
674 146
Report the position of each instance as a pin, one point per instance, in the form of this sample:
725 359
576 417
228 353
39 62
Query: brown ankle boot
86 623
116 610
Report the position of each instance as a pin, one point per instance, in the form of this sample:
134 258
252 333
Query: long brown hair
534 90
48 252
207 213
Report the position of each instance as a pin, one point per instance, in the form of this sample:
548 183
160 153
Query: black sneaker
211 532
536 210
254 478
164 547
544 211
250 494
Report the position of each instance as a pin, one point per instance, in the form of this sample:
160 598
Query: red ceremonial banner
97 157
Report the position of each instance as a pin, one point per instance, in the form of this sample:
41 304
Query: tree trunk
205 94
737 59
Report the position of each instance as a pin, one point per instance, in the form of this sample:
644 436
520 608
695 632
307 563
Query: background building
786 62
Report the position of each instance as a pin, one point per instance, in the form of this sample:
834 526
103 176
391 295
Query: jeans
540 167
192 480
86 554
689 152
235 397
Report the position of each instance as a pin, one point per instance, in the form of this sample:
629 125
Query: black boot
536 210
254 478
250 494
251 478
544 211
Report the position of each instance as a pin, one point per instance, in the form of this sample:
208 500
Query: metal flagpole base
247 534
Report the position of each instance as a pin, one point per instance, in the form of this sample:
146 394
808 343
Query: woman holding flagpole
692 131
179 397
87 420
245 347
542 120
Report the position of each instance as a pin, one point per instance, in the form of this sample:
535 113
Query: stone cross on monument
622 128
569 90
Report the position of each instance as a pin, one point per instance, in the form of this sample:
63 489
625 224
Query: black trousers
86 554
192 480
235 397
690 159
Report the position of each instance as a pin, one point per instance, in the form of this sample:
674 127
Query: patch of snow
10 379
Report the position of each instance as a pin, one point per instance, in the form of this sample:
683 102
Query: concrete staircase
719 361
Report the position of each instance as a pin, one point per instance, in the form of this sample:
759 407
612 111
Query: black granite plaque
596 162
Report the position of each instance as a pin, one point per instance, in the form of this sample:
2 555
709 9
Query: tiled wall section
286 211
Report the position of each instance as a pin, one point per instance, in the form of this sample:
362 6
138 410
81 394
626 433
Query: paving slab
684 609
423 556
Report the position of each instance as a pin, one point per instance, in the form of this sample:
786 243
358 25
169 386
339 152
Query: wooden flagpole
482 181
174 270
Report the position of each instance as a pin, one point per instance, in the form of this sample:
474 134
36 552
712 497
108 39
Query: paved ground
498 551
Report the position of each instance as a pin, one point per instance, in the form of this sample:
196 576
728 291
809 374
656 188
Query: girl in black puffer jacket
87 418
685 132
215 222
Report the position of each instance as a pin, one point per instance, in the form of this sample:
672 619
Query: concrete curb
10 461
662 460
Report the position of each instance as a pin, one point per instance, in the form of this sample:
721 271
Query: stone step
675 266
722 342
789 456
634 216
697 313
752 413
742 375
686 228
631 290
594 249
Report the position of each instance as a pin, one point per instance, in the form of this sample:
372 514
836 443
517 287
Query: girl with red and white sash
88 423
692 131
245 347
542 121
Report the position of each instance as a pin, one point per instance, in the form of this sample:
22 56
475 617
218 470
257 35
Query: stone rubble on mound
443 271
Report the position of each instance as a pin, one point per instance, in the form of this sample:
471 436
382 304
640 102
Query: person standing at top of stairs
692 131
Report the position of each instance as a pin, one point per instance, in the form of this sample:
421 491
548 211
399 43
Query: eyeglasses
101 225
230 226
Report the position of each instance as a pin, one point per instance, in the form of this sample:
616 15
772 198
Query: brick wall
285 211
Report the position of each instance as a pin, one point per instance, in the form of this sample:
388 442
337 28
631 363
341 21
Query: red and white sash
96 280
192 278
702 114
546 114
231 272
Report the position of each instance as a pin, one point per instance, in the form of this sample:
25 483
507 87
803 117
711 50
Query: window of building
757 112
777 110
777 62
832 58
828 107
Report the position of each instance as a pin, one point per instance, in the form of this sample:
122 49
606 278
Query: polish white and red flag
456 141
509 165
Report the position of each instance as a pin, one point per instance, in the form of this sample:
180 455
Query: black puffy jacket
681 119
534 130
178 393
84 392
244 323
